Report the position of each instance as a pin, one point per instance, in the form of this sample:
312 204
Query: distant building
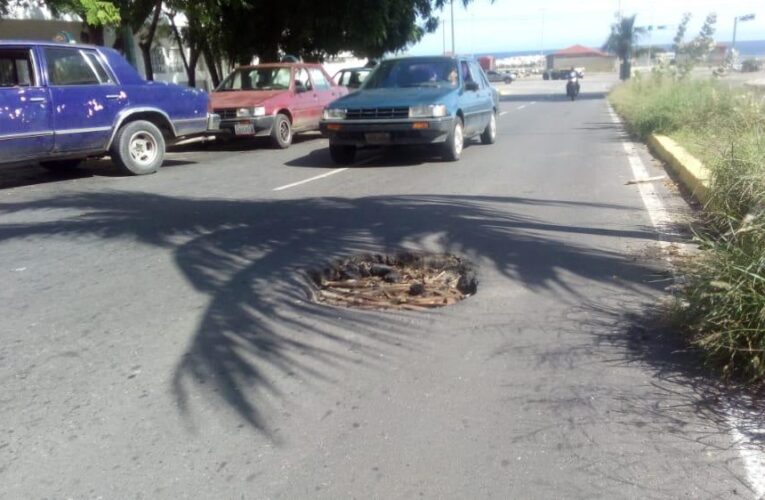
579 56
717 55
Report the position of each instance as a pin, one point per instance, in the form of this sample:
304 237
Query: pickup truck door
325 91
25 107
86 98
305 100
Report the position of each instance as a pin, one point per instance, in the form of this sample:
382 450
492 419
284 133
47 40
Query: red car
276 100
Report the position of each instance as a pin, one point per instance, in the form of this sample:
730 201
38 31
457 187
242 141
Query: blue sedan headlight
428 111
334 114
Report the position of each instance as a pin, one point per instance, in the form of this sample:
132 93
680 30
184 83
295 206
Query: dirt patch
408 281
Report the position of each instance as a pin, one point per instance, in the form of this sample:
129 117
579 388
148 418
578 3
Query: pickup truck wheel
455 141
342 154
281 133
61 165
489 135
138 148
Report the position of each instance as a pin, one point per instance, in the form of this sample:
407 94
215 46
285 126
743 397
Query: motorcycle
572 88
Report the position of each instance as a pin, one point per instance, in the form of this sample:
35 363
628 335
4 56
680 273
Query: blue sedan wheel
489 135
452 148
138 148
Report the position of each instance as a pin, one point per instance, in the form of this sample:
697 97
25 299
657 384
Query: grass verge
723 305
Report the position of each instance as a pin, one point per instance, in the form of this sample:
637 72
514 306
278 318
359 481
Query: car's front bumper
213 122
261 125
362 133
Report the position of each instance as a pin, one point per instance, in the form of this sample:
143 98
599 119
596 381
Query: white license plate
244 129
377 137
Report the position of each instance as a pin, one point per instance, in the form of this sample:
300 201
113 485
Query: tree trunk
145 44
191 70
180 43
95 34
211 66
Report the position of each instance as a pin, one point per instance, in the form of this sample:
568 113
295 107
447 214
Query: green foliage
308 29
688 55
100 13
624 36
723 305
93 12
682 28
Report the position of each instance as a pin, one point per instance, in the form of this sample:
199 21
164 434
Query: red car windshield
257 79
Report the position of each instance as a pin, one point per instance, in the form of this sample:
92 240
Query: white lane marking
503 113
660 218
322 176
532 102
315 178
752 455
521 107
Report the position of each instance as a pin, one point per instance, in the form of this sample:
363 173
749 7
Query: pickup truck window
69 67
16 68
258 78
302 81
95 63
319 80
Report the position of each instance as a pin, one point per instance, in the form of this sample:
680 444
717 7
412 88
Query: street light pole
650 41
542 35
747 17
452 8
443 32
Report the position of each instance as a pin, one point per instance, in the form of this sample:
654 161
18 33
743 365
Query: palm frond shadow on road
247 257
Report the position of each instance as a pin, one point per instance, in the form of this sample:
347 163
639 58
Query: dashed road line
311 179
325 175
503 113
521 107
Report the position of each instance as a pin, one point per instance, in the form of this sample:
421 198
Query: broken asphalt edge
688 168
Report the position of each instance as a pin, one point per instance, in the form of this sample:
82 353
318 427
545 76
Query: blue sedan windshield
413 73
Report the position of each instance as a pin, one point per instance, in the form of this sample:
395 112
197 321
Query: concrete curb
691 171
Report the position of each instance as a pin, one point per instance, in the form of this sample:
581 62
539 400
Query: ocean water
747 48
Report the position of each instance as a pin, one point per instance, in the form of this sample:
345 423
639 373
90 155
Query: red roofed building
579 56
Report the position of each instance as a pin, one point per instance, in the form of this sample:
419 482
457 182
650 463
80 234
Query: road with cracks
157 342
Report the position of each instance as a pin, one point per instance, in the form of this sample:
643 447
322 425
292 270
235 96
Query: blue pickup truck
62 103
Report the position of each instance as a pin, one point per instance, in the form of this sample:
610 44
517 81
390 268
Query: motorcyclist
573 80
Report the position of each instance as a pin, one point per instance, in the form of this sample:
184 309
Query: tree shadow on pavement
685 398
247 256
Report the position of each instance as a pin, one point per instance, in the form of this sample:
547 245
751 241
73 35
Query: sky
516 25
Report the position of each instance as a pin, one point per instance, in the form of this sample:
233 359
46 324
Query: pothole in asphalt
406 281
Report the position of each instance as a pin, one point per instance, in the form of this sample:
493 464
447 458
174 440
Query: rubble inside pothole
407 281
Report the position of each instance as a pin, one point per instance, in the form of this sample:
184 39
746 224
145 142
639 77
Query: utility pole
443 32
452 8
650 40
542 35
736 19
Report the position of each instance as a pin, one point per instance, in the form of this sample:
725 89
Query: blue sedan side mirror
471 86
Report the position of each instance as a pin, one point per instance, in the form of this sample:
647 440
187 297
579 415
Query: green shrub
723 304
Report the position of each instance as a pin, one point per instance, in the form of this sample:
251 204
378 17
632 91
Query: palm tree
624 36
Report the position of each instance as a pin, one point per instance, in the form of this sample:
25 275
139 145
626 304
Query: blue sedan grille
377 113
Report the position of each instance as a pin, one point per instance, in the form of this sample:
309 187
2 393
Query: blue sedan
414 100
62 103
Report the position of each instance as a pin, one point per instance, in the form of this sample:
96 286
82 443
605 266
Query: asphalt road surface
156 340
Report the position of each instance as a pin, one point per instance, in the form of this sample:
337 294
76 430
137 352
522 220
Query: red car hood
242 98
